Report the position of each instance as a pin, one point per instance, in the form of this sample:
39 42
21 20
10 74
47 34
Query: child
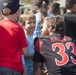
56 50
28 21
40 15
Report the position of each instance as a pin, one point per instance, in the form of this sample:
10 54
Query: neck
28 33
10 17
69 10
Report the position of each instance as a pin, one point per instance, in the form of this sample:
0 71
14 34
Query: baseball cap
13 5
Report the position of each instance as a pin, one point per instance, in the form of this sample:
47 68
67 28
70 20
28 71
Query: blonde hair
56 23
27 15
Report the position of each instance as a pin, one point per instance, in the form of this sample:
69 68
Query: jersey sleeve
37 47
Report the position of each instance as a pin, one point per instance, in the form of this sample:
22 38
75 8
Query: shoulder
49 15
38 41
37 44
19 26
38 16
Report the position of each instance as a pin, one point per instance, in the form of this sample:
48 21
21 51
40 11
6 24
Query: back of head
42 6
9 7
57 24
54 8
69 3
39 3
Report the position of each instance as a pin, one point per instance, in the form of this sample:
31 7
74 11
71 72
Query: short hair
57 23
40 3
54 8
27 15
69 3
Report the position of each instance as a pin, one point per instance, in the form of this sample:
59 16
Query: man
70 19
56 50
12 41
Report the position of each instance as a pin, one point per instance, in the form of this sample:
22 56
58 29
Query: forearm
24 51
28 56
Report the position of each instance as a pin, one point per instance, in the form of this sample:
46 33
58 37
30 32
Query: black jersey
70 20
58 53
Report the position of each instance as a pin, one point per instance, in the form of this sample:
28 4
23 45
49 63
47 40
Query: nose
33 24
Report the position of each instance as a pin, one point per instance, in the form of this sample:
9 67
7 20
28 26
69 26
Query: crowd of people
37 42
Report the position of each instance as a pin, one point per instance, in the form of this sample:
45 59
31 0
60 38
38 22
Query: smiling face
28 21
30 24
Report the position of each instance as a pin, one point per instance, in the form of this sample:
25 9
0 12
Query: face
30 25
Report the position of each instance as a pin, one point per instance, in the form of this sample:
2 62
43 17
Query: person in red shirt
12 40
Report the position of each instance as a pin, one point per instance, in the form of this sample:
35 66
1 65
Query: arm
28 56
24 51
23 41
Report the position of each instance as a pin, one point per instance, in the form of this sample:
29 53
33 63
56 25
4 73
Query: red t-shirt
12 40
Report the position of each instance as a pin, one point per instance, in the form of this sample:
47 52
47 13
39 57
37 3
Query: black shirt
70 20
58 52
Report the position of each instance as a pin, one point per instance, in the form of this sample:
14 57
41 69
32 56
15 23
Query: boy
70 19
28 21
12 41
55 50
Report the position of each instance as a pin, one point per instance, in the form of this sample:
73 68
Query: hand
45 71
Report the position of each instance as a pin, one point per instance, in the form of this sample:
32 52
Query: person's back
12 41
10 33
70 19
56 50
57 54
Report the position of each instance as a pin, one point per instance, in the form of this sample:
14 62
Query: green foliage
26 1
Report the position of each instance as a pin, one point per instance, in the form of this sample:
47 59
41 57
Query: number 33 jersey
58 52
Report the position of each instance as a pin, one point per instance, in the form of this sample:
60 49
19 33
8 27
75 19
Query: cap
13 5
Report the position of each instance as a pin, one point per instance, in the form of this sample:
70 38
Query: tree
26 1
